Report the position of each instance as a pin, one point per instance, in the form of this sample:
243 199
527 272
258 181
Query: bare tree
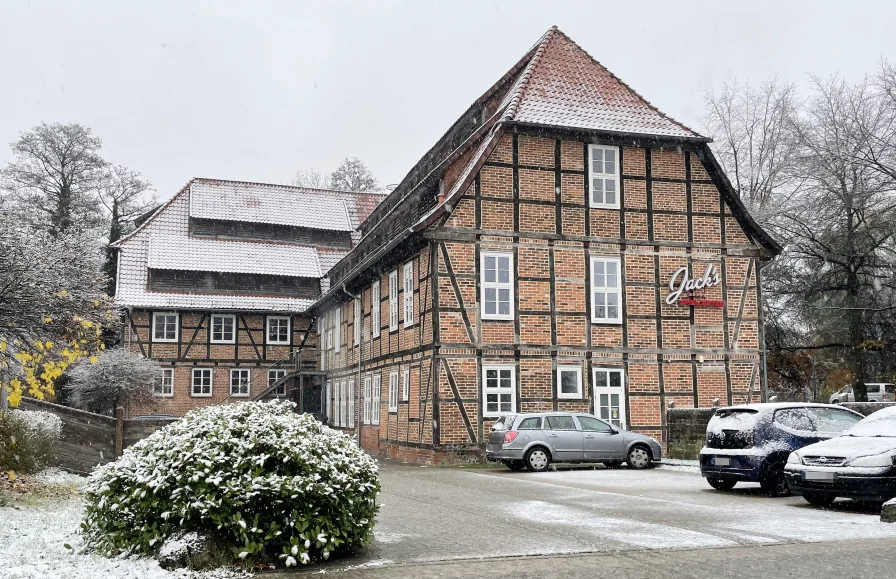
751 128
310 178
53 181
837 270
118 378
125 196
353 175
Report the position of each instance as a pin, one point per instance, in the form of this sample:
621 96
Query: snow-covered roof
263 203
196 254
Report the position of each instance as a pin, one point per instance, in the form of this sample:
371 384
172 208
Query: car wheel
538 459
612 463
819 500
515 465
721 484
773 481
639 457
835 401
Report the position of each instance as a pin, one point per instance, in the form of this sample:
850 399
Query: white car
877 392
859 464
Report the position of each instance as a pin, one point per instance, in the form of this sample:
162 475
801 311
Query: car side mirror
614 431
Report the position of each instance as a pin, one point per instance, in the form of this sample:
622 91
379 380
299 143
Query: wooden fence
90 439
686 427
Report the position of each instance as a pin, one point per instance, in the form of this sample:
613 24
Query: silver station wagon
535 440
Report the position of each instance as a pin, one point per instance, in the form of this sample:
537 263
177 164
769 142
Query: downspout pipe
359 387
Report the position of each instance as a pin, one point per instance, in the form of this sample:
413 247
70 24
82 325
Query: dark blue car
751 443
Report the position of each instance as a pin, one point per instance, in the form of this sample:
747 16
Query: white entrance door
609 396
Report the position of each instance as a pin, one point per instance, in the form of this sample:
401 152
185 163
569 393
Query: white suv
877 392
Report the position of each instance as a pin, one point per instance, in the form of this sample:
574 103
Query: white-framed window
393 301
408 294
606 290
278 330
367 401
239 382
223 329
406 384
337 328
337 410
375 304
164 383
498 389
351 403
569 382
329 402
164 327
609 396
201 384
358 321
496 285
603 174
376 399
274 375
393 392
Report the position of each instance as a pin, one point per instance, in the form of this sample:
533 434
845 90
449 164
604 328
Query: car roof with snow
768 406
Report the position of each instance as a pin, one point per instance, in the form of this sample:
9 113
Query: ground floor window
202 382
376 399
569 382
239 382
351 403
273 376
164 383
609 395
329 399
365 419
393 392
499 390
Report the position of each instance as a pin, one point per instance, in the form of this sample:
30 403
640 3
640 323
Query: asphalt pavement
445 522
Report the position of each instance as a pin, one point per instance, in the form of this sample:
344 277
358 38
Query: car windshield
881 423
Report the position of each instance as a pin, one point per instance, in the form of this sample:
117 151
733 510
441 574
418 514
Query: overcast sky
256 90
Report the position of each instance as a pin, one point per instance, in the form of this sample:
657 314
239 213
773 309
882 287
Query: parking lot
439 513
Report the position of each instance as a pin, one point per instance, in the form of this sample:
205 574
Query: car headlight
876 460
794 458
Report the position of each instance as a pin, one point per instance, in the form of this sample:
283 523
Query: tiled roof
194 254
261 203
568 88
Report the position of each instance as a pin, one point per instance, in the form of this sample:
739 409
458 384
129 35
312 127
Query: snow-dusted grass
36 527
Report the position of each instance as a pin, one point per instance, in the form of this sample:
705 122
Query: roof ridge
523 81
283 185
623 83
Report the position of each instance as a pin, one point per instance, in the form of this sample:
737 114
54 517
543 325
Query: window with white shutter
375 320
351 403
358 321
376 399
408 295
393 392
406 384
367 400
393 301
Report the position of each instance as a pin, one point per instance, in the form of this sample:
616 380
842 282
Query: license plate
820 475
721 461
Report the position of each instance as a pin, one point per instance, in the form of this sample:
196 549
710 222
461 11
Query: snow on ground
34 532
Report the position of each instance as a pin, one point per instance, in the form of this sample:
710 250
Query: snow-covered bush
266 482
28 439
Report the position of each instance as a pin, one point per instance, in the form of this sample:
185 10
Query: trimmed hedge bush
28 439
266 482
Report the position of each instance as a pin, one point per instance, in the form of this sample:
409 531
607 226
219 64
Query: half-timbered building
215 285
565 245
